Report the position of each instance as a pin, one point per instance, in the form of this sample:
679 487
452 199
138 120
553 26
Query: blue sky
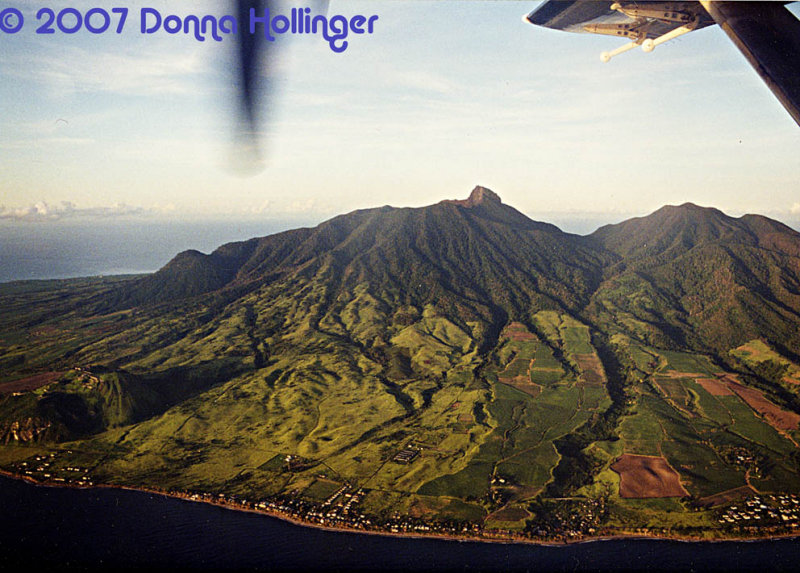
443 96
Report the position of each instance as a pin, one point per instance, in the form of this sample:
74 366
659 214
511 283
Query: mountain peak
479 196
690 208
672 228
482 194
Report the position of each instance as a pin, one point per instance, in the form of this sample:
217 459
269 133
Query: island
455 370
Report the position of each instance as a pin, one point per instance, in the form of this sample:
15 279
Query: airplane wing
765 32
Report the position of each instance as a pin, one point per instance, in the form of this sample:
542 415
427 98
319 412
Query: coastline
480 538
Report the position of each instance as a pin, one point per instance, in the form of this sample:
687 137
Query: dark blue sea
65 249
59 528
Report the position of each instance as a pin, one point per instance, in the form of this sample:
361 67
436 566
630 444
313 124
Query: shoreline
408 535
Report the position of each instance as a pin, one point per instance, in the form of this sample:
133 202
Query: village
760 511
558 520
339 511
43 468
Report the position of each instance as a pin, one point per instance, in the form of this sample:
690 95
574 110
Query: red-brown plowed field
592 368
30 383
714 387
523 384
726 496
781 419
647 476
517 331
510 514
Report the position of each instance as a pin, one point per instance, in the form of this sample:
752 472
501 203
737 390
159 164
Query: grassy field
759 355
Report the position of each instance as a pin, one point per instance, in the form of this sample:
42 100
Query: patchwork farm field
692 415
516 459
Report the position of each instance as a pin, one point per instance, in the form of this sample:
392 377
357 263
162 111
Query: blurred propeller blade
254 61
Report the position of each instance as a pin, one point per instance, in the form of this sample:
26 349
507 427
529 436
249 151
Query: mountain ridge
455 248
345 237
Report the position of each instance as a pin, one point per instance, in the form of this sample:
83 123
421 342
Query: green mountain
701 279
461 249
453 363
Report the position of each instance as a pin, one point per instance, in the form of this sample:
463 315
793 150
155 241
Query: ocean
66 249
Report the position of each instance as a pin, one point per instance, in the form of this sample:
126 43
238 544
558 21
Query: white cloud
424 81
43 211
301 206
795 209
264 207
75 70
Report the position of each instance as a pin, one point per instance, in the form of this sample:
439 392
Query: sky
443 96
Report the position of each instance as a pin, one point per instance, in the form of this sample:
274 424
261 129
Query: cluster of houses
743 458
45 468
88 379
339 510
764 510
570 519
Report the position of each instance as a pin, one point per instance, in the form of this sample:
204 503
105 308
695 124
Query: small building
406 456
